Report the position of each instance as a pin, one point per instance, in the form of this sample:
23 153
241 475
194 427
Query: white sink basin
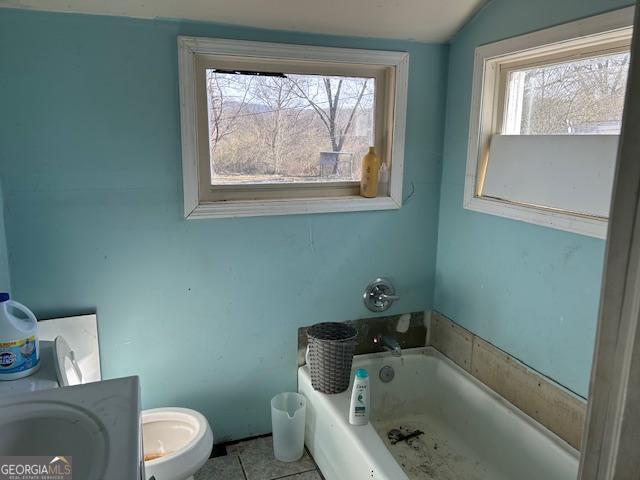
40 428
96 424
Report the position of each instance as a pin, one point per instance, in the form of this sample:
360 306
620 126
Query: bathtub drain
386 374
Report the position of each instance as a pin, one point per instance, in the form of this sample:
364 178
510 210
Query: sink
96 424
48 428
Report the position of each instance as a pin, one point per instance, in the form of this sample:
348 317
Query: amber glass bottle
370 171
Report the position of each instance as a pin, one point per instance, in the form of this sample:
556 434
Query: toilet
176 442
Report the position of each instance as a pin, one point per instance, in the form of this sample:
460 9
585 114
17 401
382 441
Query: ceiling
420 20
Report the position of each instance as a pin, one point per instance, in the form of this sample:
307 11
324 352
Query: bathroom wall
205 311
530 290
5 277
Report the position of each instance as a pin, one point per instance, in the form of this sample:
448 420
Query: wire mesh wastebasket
331 348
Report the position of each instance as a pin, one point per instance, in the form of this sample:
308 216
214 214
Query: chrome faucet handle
380 295
386 297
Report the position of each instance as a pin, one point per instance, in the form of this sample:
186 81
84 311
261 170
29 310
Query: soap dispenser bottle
359 409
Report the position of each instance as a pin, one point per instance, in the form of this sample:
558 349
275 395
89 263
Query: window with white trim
270 129
545 121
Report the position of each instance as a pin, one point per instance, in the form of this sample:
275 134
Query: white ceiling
421 20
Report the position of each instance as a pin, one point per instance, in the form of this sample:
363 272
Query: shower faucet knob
380 295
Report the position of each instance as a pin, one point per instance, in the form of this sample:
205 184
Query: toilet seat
64 359
182 436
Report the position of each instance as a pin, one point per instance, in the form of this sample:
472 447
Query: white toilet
176 441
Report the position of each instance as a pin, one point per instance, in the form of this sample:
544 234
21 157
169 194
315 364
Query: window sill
255 208
592 227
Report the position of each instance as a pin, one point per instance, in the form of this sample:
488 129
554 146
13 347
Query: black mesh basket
331 348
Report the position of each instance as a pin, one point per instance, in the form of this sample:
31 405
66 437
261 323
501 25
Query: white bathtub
469 431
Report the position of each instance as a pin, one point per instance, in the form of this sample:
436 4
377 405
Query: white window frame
488 84
192 49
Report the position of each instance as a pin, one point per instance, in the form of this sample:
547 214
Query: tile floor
253 460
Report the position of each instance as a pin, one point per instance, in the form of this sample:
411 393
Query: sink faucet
388 343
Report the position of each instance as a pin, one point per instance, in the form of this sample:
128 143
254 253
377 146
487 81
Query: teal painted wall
530 290
207 311
5 278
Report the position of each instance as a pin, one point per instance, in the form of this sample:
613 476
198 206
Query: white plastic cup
288 412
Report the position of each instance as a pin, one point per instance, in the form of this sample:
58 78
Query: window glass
572 98
276 128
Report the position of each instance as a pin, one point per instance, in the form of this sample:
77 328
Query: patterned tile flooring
253 460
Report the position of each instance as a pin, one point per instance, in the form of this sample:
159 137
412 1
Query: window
287 128
572 97
272 129
545 120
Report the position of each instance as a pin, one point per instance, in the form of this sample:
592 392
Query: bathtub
470 432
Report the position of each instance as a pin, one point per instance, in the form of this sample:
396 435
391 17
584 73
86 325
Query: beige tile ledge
556 408
451 340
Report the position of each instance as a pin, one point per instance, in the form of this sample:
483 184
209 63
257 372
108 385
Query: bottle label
360 409
18 355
